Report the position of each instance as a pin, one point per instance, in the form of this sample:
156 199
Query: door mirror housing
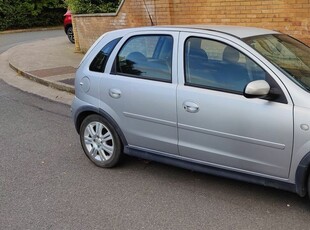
256 89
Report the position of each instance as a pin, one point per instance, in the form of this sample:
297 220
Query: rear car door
217 125
139 89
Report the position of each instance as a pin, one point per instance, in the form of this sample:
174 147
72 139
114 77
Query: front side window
147 57
99 62
289 55
215 65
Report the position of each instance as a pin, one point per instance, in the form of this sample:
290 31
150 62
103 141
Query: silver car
229 101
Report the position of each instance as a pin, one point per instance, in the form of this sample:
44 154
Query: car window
99 62
289 55
216 65
147 57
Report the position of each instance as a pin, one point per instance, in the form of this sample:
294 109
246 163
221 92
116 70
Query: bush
92 6
20 14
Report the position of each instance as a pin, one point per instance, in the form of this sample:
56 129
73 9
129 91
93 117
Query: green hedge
20 14
92 6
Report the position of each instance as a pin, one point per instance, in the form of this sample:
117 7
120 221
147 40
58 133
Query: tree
92 6
37 6
27 13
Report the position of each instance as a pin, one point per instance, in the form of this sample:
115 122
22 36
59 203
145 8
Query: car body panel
146 108
67 20
237 31
301 137
231 130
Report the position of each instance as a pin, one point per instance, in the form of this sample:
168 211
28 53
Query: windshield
289 55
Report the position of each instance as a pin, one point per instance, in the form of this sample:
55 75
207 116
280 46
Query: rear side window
147 57
99 62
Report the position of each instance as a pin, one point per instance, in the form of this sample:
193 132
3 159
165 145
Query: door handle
191 107
115 93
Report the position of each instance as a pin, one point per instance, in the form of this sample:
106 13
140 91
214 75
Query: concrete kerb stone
55 85
31 30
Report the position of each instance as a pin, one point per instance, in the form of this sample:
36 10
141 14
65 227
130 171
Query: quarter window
147 57
99 62
215 65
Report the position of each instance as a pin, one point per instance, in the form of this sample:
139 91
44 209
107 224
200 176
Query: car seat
233 74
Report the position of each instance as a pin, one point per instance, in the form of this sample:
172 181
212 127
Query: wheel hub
99 141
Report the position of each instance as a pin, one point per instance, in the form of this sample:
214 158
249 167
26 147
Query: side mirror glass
256 89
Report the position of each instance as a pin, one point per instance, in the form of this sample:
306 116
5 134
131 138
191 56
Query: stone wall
288 16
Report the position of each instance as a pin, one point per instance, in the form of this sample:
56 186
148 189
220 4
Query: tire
70 34
100 141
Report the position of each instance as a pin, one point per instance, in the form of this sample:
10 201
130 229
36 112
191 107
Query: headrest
136 57
231 55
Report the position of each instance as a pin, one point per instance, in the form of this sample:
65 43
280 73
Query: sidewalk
51 62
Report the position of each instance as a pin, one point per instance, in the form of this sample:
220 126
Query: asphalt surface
12 39
48 183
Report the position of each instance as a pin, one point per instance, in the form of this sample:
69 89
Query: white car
230 101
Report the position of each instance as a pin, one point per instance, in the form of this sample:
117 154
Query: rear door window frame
155 52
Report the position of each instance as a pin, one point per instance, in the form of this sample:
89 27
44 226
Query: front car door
217 125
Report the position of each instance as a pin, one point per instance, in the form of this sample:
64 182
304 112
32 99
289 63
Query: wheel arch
302 174
90 111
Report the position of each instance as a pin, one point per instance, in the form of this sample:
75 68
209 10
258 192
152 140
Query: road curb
55 85
31 30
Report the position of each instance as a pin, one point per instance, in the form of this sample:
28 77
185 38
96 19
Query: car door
217 125
140 90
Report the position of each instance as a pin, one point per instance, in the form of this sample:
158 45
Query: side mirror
256 89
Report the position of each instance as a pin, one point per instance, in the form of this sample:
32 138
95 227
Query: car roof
236 31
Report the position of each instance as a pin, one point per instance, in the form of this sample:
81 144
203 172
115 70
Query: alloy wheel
98 141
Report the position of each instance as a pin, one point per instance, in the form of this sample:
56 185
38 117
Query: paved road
9 40
47 183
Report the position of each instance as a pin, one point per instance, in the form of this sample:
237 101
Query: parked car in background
229 101
68 26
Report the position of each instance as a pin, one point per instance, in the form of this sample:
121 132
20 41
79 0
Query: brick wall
87 28
288 16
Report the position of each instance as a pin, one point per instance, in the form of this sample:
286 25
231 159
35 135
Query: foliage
30 13
92 6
